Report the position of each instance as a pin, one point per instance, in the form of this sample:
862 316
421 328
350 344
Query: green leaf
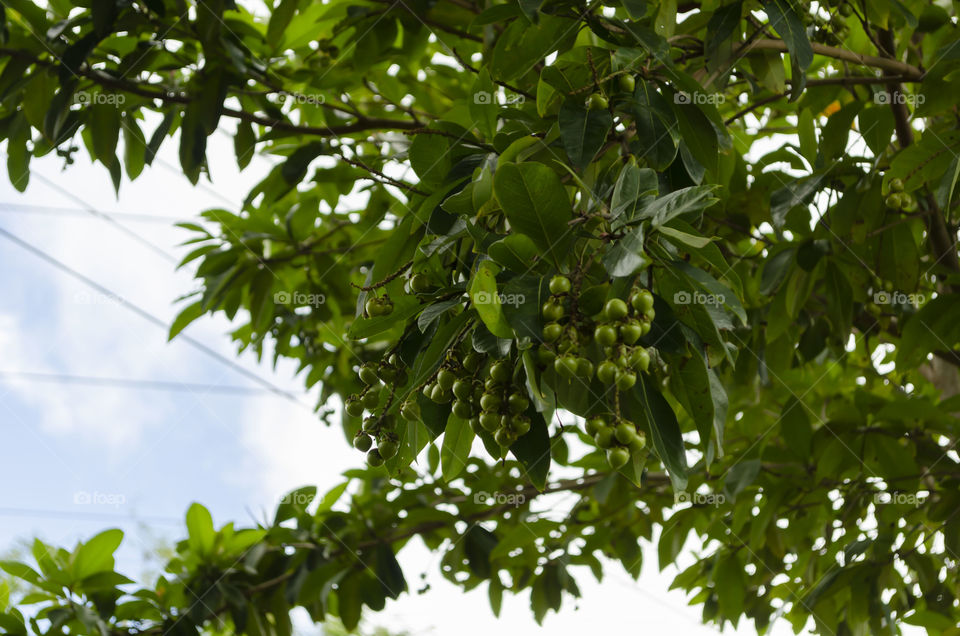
795 428
626 255
632 184
517 252
457 441
349 600
389 572
105 130
533 450
279 20
185 317
430 158
244 144
698 134
536 204
645 404
685 238
200 532
656 123
876 126
680 202
485 298
583 132
96 555
933 327
788 26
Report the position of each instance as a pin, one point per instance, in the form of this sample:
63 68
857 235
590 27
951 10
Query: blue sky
79 459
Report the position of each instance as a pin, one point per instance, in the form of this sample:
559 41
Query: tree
694 262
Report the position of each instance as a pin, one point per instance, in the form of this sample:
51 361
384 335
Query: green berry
627 83
490 402
631 332
559 284
503 437
368 374
566 365
462 409
618 457
625 433
521 426
552 332
410 411
896 185
446 378
489 421
371 398
420 283
598 102
604 437
584 369
463 389
615 309
517 403
362 443
388 448
354 407
475 425
638 443
626 380
374 458
605 335
893 200
471 361
501 371
438 395
552 311
642 300
594 425
370 423
607 372
640 359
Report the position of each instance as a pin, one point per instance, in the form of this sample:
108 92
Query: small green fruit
521 426
631 332
626 380
604 437
598 102
615 309
607 372
410 411
639 443
501 371
475 425
893 201
489 421
490 402
368 374
552 332
559 285
462 409
370 423
627 83
625 433
896 185
388 448
552 311
446 378
618 457
362 443
354 407
584 369
640 359
374 458
471 362
594 425
420 284
517 403
371 398
566 365
504 438
605 335
642 300
463 389
438 395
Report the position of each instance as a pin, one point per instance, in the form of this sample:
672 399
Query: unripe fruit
438 395
463 390
462 409
372 306
362 443
584 369
354 407
604 437
371 398
552 310
446 378
368 374
605 335
490 384
607 372
642 300
475 425
625 433
893 201
369 423
428 391
374 458
490 402
615 309
552 332
420 284
388 448
896 185
501 371
645 326
559 285
618 457
490 421
639 442
631 332
471 362
649 315
626 380
410 411
593 425
387 373
517 403
627 83
566 365
506 421
640 359
521 426
503 437
598 102
545 355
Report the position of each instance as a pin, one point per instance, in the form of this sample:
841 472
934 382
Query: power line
109 219
147 315
27 208
125 383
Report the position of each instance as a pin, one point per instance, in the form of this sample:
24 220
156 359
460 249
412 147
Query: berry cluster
898 199
620 438
502 405
373 376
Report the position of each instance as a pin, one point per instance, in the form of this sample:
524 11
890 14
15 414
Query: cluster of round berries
456 381
898 199
619 438
374 376
502 405
598 101
620 326
378 306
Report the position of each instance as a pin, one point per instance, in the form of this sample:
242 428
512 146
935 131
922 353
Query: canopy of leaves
780 175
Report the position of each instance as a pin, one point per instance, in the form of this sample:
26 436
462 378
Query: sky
80 458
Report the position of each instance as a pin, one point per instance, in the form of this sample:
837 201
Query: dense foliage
694 263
